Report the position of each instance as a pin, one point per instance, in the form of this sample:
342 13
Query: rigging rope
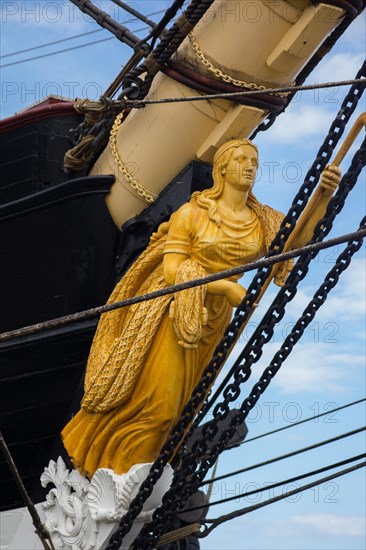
157 59
96 311
300 335
169 43
139 104
253 353
280 483
81 35
58 52
135 13
293 424
237 513
80 155
283 457
194 12
336 130
62 51
133 85
179 534
169 15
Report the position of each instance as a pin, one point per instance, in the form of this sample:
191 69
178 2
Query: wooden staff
319 200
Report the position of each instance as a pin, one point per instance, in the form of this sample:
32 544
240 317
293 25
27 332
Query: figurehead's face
241 168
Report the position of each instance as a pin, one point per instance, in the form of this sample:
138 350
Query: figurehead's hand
235 293
330 177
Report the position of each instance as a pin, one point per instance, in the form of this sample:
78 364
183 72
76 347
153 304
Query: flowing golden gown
134 432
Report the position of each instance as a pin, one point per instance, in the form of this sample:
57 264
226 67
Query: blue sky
327 368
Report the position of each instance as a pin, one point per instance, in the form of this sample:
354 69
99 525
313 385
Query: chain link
336 130
188 478
134 183
225 77
180 486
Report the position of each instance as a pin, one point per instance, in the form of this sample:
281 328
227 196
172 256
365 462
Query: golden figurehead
146 359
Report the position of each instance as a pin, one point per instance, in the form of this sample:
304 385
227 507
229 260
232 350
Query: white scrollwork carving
77 508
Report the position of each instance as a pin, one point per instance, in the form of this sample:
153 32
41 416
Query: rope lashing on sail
79 156
164 513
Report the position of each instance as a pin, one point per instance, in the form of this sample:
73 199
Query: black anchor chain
189 475
170 41
336 130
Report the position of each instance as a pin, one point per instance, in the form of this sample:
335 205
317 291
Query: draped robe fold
134 430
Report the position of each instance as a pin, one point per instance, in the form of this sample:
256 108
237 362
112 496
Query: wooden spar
228 45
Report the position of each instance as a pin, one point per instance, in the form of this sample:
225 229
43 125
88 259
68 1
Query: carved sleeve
180 233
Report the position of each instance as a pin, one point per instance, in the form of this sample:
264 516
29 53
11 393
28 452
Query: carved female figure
146 359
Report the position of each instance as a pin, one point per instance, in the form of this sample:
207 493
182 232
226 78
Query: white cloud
312 367
355 34
346 302
315 367
339 66
55 17
329 525
326 359
302 122
62 16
